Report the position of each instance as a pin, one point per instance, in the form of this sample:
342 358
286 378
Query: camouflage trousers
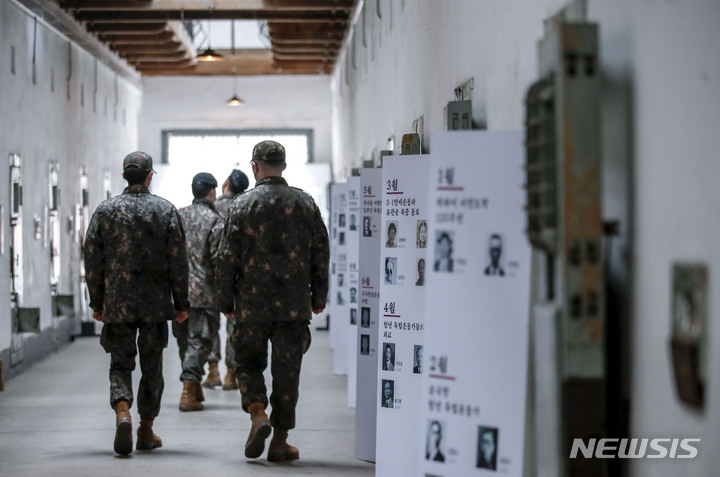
290 340
215 354
118 339
194 338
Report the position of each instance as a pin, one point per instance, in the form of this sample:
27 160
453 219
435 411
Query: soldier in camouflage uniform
234 185
203 227
137 275
272 274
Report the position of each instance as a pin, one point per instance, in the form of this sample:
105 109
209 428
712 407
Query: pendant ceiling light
235 100
209 54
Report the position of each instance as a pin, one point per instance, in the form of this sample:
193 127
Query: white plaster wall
42 124
271 102
677 138
660 122
417 53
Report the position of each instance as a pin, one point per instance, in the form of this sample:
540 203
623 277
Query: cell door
16 257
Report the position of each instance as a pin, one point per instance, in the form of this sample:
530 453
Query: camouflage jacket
222 204
274 255
136 265
203 227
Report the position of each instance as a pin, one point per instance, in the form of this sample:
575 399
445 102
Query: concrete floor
56 420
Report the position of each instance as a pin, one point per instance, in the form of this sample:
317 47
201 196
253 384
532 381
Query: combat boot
123 428
188 399
259 431
199 395
279 450
213 377
230 382
146 438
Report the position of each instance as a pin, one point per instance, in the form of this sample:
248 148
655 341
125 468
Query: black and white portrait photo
365 317
353 316
341 238
391 235
391 270
353 225
388 359
495 248
422 234
443 251
353 295
420 282
417 359
366 230
487 447
365 345
434 443
387 393
341 220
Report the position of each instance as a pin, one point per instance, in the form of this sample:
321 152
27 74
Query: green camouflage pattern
195 340
273 255
216 354
136 265
203 227
290 340
222 204
119 339
269 151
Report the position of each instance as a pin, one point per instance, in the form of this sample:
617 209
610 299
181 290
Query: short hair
392 226
238 182
135 176
201 190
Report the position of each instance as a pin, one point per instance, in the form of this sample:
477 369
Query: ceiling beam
294 16
127 28
199 5
242 63
139 39
169 47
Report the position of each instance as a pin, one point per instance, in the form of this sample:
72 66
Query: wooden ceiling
305 35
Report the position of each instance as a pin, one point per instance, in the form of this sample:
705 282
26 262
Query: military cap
238 181
269 151
139 161
204 178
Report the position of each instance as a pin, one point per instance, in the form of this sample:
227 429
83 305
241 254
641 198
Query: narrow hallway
55 420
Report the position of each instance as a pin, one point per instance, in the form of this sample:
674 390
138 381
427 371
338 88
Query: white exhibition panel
339 279
405 182
474 383
369 318
352 240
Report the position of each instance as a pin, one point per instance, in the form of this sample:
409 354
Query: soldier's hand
317 311
181 316
97 315
230 314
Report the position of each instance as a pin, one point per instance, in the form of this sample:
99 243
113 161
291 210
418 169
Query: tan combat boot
259 431
279 450
199 395
213 377
230 382
188 399
123 428
146 438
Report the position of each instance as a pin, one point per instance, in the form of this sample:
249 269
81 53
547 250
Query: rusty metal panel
410 144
